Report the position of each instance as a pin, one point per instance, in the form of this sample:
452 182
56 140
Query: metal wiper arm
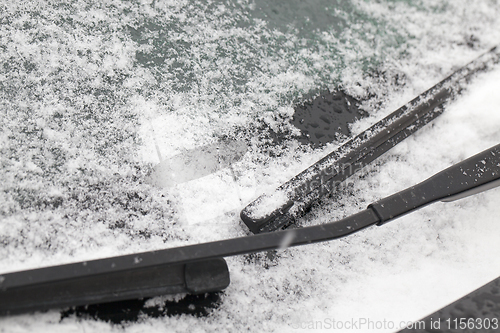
200 268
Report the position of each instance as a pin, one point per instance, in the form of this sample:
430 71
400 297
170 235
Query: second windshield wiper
201 268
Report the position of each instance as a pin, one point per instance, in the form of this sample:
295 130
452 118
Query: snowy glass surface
95 95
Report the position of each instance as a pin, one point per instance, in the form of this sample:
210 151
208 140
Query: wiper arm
476 174
200 268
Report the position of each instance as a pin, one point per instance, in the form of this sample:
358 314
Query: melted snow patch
196 163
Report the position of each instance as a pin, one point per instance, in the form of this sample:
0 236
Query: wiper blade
267 214
200 268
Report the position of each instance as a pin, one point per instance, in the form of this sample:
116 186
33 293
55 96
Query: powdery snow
93 97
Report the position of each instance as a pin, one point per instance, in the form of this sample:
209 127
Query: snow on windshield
96 96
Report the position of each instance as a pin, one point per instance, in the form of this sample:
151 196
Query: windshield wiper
201 268
266 213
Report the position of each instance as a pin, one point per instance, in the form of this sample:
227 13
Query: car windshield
130 126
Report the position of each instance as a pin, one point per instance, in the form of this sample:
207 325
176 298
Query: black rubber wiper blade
153 273
200 268
266 214
107 280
